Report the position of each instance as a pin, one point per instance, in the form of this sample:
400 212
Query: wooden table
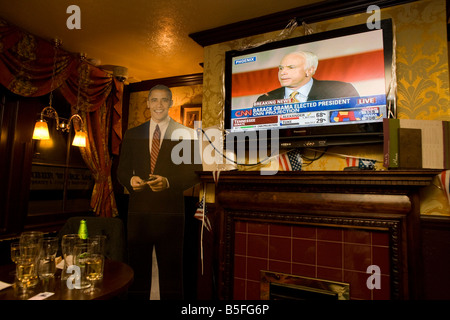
117 277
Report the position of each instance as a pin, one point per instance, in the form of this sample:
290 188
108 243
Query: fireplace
331 226
281 286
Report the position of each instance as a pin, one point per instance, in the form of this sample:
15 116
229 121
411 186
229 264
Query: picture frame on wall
191 113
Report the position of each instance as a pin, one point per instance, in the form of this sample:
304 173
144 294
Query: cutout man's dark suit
156 218
320 90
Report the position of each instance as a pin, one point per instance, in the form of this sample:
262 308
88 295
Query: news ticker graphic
282 112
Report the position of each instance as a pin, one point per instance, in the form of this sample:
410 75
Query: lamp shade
41 131
80 139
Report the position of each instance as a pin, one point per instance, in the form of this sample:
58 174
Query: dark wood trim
316 12
178 81
435 222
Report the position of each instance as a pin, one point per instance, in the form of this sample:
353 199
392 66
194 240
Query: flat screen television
355 56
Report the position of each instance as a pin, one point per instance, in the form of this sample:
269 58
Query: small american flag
363 164
351 162
366 164
291 160
201 215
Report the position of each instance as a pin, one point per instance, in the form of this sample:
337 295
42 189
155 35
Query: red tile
280 266
240 226
280 230
330 234
358 286
239 289
304 251
329 254
253 290
304 232
258 228
357 236
380 257
257 246
380 239
357 257
331 274
304 270
280 248
254 266
384 293
240 267
240 243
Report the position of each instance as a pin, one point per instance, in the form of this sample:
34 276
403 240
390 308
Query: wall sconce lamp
41 128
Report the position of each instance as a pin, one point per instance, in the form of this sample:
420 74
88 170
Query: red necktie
155 147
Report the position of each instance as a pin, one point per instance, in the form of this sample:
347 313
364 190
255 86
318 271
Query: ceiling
149 37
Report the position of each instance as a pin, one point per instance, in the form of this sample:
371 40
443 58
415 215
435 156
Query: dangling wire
52 85
307 28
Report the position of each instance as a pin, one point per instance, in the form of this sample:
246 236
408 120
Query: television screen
342 78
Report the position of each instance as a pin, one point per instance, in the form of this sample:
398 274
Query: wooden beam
178 81
316 12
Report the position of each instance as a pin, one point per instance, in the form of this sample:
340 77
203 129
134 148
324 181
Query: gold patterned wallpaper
422 78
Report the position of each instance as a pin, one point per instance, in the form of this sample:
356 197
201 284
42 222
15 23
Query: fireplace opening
279 291
281 286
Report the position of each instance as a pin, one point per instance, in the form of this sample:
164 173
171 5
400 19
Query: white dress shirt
303 91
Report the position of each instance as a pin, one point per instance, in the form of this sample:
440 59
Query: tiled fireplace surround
324 225
330 253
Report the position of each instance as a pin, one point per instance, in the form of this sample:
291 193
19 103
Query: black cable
224 156
316 158
261 161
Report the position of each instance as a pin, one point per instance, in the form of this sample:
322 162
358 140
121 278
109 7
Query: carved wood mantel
373 200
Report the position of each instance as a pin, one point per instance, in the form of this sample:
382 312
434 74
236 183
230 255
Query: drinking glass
30 246
15 251
81 254
25 273
97 245
30 243
94 270
68 243
47 265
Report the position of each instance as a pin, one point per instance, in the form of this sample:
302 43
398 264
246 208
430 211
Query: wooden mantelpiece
381 201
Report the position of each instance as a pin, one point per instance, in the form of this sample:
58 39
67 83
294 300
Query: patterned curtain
26 68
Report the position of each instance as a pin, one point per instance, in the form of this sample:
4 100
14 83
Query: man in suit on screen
295 74
156 206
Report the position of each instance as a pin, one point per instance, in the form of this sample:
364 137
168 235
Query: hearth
281 286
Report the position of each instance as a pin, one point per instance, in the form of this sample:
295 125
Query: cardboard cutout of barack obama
156 206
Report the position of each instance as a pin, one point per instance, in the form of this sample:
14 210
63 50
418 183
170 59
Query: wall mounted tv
346 103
